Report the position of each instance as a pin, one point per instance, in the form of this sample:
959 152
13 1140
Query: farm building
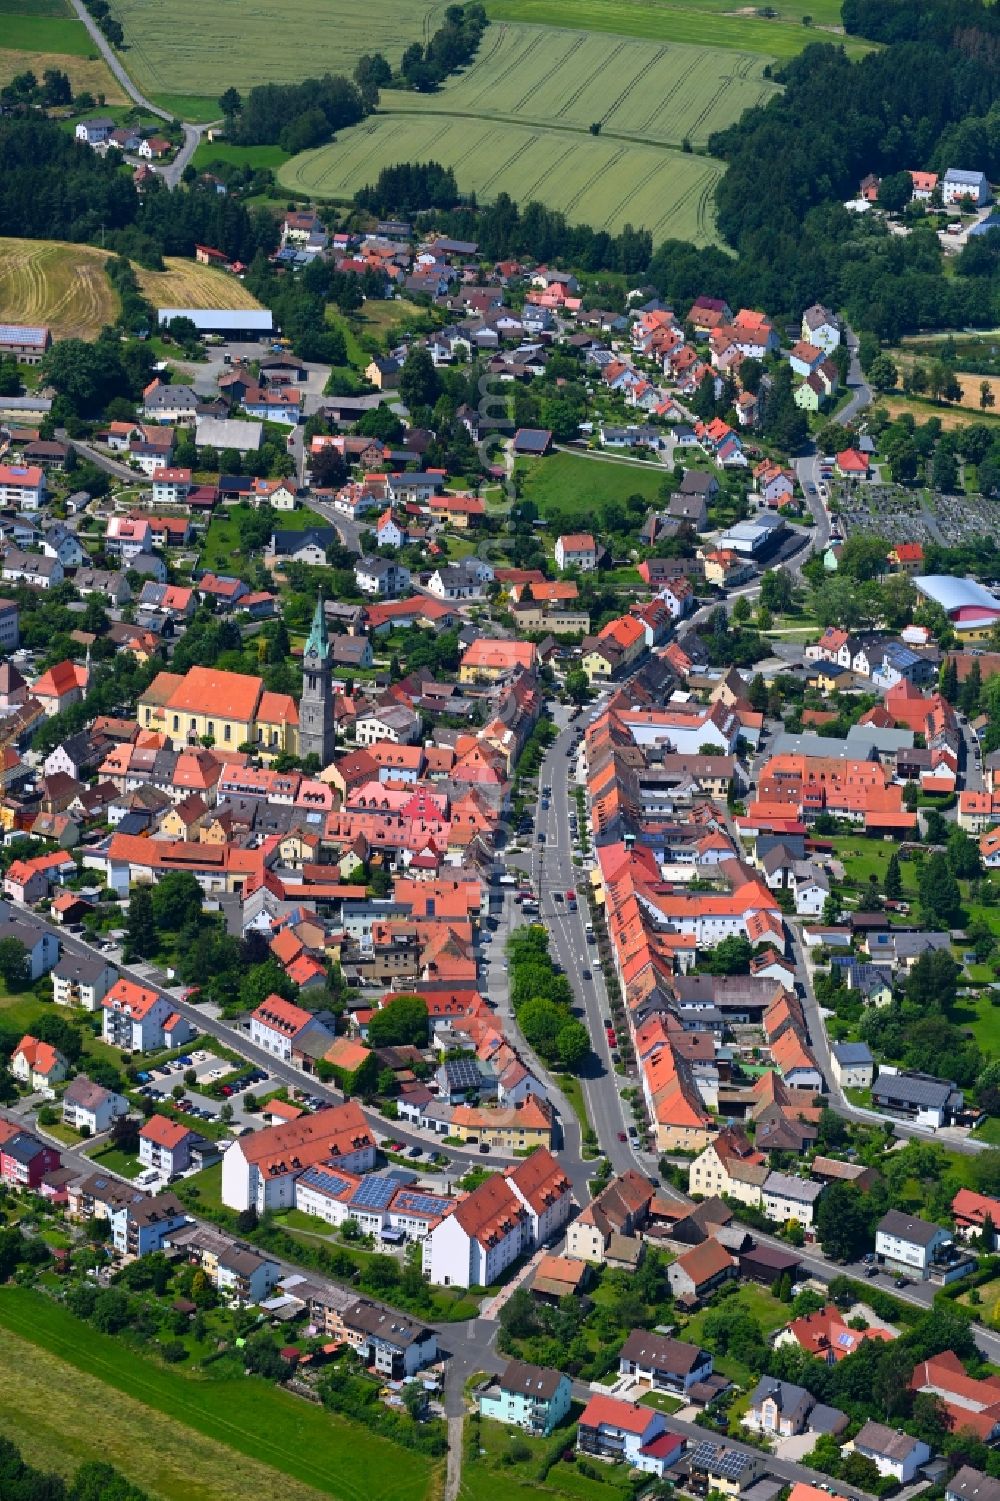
235 323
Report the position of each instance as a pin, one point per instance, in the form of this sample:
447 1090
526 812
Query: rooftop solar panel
373 1193
417 1203
333 1183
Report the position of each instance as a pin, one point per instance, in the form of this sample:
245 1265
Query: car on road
557 896
585 974
541 837
571 895
622 1136
900 1281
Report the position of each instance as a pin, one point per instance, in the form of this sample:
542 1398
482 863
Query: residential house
785 1198
165 1144
82 980
576 550
527 1396
896 1455
920 1098
852 1064
90 1108
619 1431
778 1409
906 1243
976 1215
140 1020
39 1065
664 1364
276 1026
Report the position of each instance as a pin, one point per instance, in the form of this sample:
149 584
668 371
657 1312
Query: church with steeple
316 731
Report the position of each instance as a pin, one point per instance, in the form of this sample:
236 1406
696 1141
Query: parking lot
209 1068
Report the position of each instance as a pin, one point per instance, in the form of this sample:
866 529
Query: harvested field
88 74
63 286
188 285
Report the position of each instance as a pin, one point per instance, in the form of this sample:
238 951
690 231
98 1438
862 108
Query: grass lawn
238 156
982 1019
208 1184
765 1308
662 1401
214 1440
573 1091
118 1162
36 33
220 549
577 486
194 107
493 1472
989 1131
358 357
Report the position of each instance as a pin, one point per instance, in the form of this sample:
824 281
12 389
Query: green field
45 32
238 156
519 121
577 486
215 1440
711 23
185 47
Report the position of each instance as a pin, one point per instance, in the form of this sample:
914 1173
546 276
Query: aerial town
500 760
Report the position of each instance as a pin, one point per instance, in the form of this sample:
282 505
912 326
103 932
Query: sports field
65 287
67 1391
187 47
519 121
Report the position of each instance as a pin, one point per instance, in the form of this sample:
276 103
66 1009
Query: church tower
316 732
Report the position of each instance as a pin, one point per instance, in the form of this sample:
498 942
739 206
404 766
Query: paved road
238 1040
102 461
192 133
861 391
349 531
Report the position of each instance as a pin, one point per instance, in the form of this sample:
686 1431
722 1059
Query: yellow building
228 708
488 660
525 1126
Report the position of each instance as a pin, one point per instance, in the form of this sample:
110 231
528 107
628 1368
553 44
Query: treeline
946 23
452 46
136 313
501 229
52 188
101 12
410 188
25 92
92 1481
793 163
294 116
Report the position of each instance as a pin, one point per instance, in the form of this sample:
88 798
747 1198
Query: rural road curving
192 133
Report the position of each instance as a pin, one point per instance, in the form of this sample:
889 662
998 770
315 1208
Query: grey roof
968 179
972 1485
848 1054
908 1227
206 320
793 1188
662 1353
530 1380
789 1397
222 432
825 1419
80 968
385 1325
914 1089
171 397
886 1441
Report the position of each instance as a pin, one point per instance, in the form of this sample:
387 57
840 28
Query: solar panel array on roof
22 333
731 1463
318 1177
373 1193
463 1073
417 1203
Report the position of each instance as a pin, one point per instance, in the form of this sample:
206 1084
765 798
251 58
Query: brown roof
706 1261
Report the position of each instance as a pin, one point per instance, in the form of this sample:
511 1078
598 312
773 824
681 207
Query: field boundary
35 1319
